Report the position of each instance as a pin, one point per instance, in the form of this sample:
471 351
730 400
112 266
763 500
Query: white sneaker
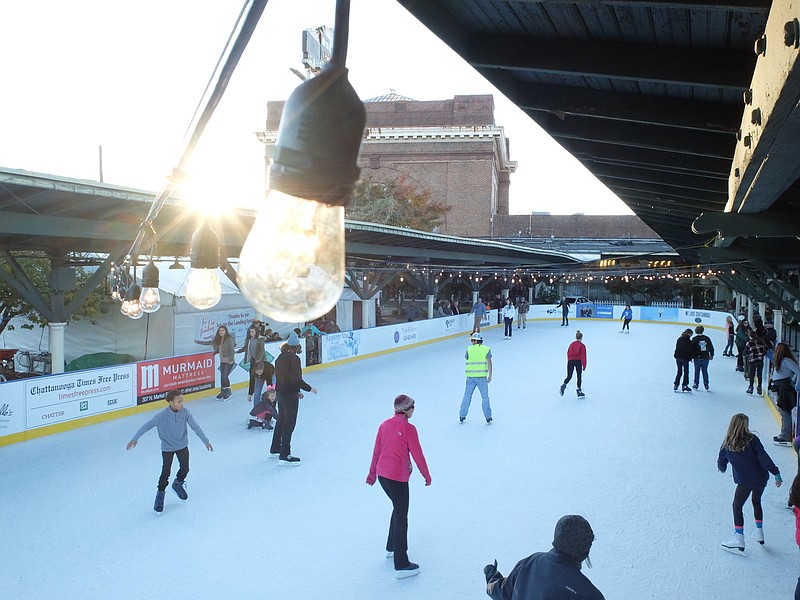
390 555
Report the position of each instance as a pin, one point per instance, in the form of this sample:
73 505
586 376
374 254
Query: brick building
453 148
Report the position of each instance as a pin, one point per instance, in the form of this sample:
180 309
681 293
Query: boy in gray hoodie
171 424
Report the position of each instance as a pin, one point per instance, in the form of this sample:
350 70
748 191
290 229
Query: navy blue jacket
544 576
751 467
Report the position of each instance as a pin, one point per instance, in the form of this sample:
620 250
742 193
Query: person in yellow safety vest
479 374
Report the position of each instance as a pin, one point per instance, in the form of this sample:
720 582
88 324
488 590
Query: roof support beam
767 157
771 294
729 226
628 107
706 67
666 180
641 157
652 137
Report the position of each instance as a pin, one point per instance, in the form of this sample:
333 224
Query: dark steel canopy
683 109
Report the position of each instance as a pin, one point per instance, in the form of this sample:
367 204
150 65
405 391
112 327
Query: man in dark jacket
684 352
553 575
703 353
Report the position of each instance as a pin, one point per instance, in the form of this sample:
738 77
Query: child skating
171 424
751 467
627 316
576 361
264 410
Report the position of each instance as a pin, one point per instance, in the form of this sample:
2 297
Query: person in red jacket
576 361
391 466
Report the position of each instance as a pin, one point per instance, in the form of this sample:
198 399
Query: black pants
626 324
565 318
683 368
507 322
397 541
285 423
740 357
577 366
740 497
755 370
166 467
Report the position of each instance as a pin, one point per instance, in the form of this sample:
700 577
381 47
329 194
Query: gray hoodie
172 429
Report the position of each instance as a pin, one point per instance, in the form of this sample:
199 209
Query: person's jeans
397 541
683 369
508 322
700 366
225 370
565 318
729 347
288 405
166 467
521 320
483 388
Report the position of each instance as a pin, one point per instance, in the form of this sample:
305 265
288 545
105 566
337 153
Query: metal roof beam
650 175
702 67
653 137
633 108
767 157
729 226
688 198
642 157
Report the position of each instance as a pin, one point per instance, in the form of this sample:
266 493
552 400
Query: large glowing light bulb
150 298
202 288
291 268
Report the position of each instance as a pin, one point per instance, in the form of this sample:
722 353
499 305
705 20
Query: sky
91 73
635 459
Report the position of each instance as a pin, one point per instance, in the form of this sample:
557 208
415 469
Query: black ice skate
580 393
179 487
159 503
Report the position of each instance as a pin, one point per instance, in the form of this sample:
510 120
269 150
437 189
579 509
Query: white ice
637 460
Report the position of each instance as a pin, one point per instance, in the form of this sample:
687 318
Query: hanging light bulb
150 299
131 307
291 267
115 292
202 287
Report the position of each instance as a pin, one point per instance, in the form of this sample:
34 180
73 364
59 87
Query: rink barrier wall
127 396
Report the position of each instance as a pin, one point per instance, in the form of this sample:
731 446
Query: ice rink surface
637 460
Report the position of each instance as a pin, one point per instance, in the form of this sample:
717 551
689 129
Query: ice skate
686 388
580 393
253 423
760 535
758 391
289 461
409 570
179 487
675 388
749 390
562 388
779 441
489 421
736 545
158 506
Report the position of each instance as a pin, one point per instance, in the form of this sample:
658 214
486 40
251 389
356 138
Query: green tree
39 269
398 203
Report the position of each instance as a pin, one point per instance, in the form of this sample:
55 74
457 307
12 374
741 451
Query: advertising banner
338 346
12 413
192 373
237 322
658 313
604 311
585 310
59 398
693 315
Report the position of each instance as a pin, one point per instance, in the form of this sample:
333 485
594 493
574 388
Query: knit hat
573 537
292 340
402 403
477 337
